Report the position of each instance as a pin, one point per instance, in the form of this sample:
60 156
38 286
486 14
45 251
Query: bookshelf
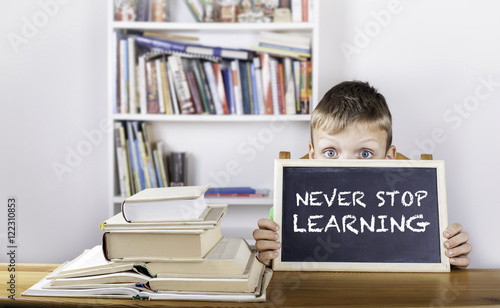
213 141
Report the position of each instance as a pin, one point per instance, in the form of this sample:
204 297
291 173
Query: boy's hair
352 102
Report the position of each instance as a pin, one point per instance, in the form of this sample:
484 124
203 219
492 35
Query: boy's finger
460 261
457 240
266 223
261 234
267 256
263 246
462 250
453 230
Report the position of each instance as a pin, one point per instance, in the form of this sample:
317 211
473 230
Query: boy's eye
366 154
330 153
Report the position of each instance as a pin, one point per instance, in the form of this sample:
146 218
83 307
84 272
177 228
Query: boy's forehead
355 132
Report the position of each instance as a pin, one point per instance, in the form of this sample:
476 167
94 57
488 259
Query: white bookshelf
209 138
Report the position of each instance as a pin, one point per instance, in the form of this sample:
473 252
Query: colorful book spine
255 95
281 89
220 87
296 79
201 87
133 103
266 83
184 96
165 87
227 74
195 92
142 85
300 51
212 85
245 93
258 85
124 81
161 97
152 88
273 69
173 95
238 99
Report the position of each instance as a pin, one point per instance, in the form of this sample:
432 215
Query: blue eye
330 153
366 154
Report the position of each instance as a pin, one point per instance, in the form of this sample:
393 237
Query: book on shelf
273 71
245 91
201 81
221 87
210 52
165 204
177 163
124 76
259 85
227 74
278 52
185 101
132 72
236 192
289 86
281 89
152 100
266 82
238 96
212 85
121 151
195 92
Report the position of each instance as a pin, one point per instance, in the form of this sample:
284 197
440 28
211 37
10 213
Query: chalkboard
361 215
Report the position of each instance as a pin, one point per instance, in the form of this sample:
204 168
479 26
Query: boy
353 121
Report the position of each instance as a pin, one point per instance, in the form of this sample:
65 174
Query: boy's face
357 141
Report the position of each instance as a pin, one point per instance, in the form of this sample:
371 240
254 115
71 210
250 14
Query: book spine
138 179
299 51
142 85
201 88
185 102
220 87
296 10
281 89
156 162
159 86
266 83
161 160
132 76
120 161
212 84
258 85
250 88
305 10
124 82
173 95
143 159
177 166
304 82
195 93
152 88
147 137
165 87
245 93
237 87
116 72
227 74
297 77
289 86
157 43
255 94
206 87
309 86
273 68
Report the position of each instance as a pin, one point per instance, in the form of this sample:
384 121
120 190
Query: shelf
230 201
237 27
209 118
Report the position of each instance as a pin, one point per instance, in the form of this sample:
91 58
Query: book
177 169
88 261
173 95
195 92
296 79
285 39
209 219
124 77
289 85
245 91
230 190
273 71
153 104
238 96
266 83
248 282
165 87
122 160
206 98
181 86
133 101
165 204
227 75
212 85
209 52
137 172
281 89
221 87
278 52
304 84
161 161
142 245
299 51
142 84
258 85
253 85
159 81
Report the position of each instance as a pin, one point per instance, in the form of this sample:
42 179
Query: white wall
430 59
427 58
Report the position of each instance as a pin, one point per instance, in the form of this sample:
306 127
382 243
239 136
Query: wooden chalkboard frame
442 266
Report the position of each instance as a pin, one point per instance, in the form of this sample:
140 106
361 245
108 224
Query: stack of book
165 244
158 76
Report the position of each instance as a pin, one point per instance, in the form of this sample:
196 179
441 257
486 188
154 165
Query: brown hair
352 102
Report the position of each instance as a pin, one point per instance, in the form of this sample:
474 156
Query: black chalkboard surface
360 215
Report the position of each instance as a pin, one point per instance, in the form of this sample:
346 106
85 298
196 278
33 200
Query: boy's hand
457 247
266 240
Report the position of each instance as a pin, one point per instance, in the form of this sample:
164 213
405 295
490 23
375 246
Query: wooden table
472 287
